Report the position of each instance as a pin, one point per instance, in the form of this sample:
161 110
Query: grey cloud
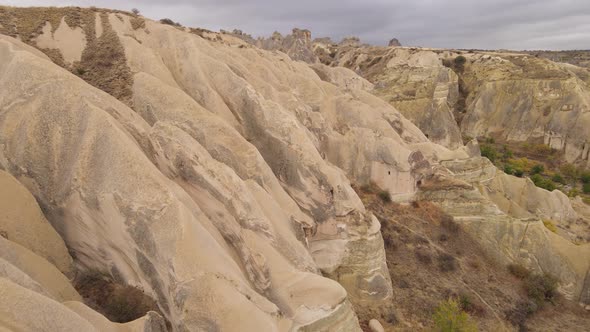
514 24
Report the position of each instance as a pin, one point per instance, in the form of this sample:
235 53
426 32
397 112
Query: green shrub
585 177
385 196
569 171
518 271
541 288
558 178
460 61
586 188
519 172
489 152
573 193
538 169
508 169
507 154
542 182
448 317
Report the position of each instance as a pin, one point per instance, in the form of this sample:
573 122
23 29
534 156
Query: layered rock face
505 213
552 105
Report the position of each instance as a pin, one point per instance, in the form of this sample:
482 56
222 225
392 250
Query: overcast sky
488 24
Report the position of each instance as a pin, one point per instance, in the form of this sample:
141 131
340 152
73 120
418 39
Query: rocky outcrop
219 183
297 45
506 215
230 151
414 82
551 106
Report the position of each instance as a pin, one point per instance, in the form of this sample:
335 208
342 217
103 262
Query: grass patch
448 317
550 225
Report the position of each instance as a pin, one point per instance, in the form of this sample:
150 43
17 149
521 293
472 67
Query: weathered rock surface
415 82
230 152
552 105
495 208
22 309
22 222
219 182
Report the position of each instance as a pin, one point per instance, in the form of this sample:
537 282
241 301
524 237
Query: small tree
570 172
135 11
489 152
460 60
449 317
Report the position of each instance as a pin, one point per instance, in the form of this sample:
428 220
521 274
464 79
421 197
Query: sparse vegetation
449 317
557 178
385 196
447 262
541 288
460 61
489 152
135 11
170 22
543 182
423 257
448 222
537 169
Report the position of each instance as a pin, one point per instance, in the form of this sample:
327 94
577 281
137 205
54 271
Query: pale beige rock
375 326
22 309
53 282
151 322
121 215
22 222
69 41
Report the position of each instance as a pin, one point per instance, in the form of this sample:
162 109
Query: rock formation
215 176
552 106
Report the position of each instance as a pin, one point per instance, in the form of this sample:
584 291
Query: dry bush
448 223
119 303
423 256
447 262
518 271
